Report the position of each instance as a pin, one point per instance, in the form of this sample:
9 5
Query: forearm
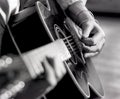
76 10
65 3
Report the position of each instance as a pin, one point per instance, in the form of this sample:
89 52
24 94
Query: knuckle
93 42
52 82
59 75
98 48
103 34
64 71
86 24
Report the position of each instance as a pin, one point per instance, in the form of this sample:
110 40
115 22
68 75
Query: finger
79 32
88 41
96 48
59 67
50 75
87 55
55 62
87 28
41 68
37 67
101 44
98 35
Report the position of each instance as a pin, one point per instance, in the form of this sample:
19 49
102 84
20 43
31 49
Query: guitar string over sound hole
69 42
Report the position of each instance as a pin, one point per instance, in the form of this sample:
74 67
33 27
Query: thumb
87 30
50 75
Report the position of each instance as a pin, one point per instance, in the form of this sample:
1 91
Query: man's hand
93 38
50 69
47 63
54 71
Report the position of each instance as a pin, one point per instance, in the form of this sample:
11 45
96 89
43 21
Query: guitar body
49 24
81 70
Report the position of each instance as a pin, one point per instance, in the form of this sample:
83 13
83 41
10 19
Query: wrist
65 3
85 16
79 13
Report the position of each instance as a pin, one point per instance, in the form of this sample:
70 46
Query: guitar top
47 24
81 70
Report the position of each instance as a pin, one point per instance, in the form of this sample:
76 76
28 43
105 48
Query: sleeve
4 9
7 7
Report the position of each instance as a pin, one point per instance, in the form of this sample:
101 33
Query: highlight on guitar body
63 39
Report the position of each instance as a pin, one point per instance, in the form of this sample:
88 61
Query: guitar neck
29 59
22 64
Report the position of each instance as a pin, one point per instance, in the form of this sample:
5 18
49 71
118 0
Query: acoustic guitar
57 35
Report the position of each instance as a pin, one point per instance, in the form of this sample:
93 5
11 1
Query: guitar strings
70 47
73 49
70 43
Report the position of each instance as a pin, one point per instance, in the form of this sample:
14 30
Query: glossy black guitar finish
81 70
53 24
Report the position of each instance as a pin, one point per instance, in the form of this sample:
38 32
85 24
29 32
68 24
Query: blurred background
107 12
112 6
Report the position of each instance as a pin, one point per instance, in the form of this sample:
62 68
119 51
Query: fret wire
73 50
68 40
67 37
73 47
73 53
72 43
